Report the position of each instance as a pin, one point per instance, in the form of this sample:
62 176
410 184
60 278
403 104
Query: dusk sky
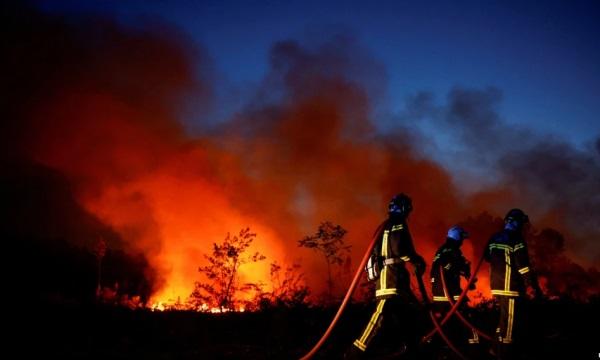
240 156
163 126
542 56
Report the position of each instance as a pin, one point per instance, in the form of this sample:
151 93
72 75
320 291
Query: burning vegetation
109 201
93 148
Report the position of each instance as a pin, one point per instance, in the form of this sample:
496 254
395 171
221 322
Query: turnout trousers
391 323
509 312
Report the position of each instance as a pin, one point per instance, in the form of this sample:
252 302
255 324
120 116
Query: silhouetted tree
288 287
222 271
329 241
561 276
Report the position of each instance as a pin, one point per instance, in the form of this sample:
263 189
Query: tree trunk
227 300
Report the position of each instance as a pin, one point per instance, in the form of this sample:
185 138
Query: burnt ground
557 329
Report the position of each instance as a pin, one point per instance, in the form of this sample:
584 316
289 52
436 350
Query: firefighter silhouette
454 265
511 278
395 299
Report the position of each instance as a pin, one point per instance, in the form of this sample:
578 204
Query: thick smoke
559 274
97 105
87 106
49 240
554 181
561 183
473 113
315 154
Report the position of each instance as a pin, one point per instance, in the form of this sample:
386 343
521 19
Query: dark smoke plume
552 180
84 103
93 133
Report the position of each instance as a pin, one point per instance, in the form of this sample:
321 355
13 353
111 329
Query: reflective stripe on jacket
395 243
454 264
509 264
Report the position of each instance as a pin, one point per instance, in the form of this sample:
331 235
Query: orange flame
189 215
110 130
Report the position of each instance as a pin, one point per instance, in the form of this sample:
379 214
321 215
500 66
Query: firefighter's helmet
515 219
400 205
457 233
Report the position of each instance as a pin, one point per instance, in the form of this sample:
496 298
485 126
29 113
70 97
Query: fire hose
439 330
454 307
458 314
351 289
355 280
436 325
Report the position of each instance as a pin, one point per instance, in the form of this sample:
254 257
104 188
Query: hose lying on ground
353 285
355 280
439 330
456 304
437 326
460 316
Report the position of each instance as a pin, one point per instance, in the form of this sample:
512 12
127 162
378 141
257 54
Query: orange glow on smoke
154 192
171 198
103 113
190 215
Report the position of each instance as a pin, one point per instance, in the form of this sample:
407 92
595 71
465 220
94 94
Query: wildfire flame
105 115
164 306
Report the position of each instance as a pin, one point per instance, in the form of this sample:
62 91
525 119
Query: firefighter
450 258
511 277
392 289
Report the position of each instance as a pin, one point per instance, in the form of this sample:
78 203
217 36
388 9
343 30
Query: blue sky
543 56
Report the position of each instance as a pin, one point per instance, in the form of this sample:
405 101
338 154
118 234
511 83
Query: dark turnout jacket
395 248
507 254
450 258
